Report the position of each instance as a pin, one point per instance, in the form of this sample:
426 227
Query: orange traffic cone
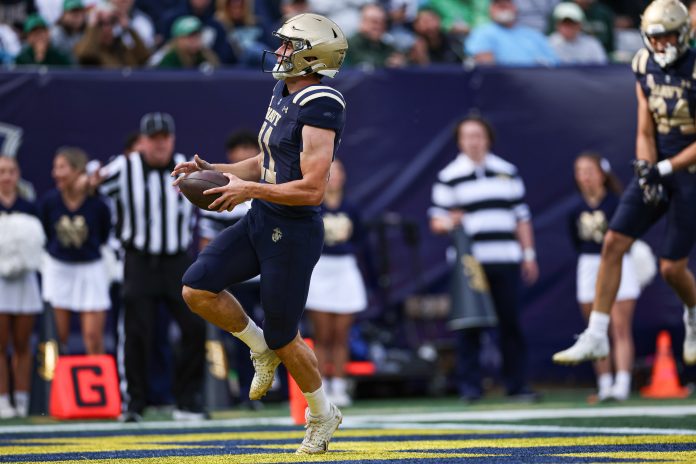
664 382
298 403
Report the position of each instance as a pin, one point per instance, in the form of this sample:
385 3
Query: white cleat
319 431
265 365
689 340
587 347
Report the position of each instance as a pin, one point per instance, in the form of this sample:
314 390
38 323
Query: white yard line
439 420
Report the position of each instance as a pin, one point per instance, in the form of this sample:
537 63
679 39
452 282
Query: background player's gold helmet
664 17
319 47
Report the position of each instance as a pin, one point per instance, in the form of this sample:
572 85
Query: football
194 184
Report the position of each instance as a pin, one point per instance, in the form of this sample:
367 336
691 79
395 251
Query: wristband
664 167
529 254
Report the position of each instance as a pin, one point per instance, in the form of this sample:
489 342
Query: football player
282 235
665 179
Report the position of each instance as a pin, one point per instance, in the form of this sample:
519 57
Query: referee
154 226
485 194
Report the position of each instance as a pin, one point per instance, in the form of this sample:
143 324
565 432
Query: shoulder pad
640 61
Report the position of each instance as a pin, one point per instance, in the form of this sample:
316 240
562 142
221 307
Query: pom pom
21 244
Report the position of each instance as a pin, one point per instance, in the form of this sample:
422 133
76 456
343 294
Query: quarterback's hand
650 180
647 173
187 167
232 194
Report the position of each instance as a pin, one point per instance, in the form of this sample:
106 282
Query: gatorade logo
88 386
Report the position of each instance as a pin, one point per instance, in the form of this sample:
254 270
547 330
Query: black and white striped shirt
152 217
492 197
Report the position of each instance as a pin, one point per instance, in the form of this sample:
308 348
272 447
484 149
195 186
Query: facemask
667 57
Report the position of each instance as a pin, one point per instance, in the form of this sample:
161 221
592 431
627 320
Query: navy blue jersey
20 206
671 95
589 224
342 229
280 137
74 236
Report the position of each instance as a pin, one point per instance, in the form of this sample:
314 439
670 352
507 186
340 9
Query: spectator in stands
15 12
21 245
369 48
402 13
599 22
569 42
346 13
70 27
156 10
468 191
52 10
336 290
436 46
459 17
504 42
136 20
214 36
600 191
243 31
75 277
10 46
109 41
186 50
39 50
535 13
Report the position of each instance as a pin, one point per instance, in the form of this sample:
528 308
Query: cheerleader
21 244
600 190
336 289
75 277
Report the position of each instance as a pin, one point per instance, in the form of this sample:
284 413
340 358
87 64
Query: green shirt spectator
38 50
186 48
367 48
460 16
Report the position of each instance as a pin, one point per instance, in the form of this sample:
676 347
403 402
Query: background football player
664 183
282 235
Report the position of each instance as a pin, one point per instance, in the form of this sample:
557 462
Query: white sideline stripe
444 420
523 414
349 423
157 425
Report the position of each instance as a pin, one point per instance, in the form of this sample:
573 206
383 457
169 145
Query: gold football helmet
663 17
319 46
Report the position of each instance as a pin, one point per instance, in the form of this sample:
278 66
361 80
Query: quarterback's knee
615 246
196 299
671 270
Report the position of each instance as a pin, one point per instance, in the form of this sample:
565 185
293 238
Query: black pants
504 282
149 280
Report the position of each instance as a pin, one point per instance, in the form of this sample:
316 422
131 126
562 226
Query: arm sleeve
111 173
519 206
324 109
443 199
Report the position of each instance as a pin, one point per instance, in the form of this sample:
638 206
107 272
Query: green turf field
562 428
